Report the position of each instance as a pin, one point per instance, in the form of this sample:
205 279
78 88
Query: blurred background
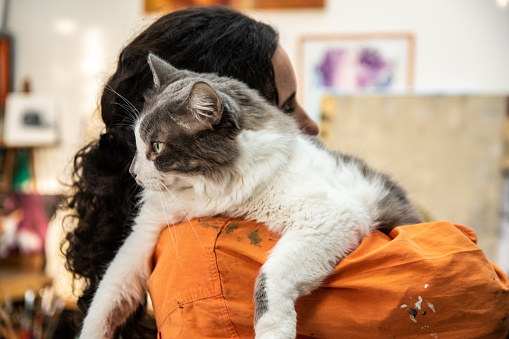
417 88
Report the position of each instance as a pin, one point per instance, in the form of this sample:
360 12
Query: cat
209 145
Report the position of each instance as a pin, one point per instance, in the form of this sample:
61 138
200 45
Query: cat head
190 124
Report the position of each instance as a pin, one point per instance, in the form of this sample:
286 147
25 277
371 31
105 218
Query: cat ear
162 71
205 105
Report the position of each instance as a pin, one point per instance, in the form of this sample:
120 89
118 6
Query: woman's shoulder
190 261
417 276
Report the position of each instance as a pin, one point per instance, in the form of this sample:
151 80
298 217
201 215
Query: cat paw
92 334
274 327
276 334
95 330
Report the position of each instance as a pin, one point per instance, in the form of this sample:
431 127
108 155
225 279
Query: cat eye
157 146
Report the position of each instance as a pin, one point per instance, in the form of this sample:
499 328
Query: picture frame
30 121
171 5
352 64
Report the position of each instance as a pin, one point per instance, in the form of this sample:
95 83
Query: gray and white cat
209 145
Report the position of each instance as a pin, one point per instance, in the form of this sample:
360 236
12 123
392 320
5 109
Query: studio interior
417 89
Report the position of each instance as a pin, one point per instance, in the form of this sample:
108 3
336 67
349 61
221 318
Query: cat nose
131 170
135 176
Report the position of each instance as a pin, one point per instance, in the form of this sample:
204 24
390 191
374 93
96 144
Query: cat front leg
123 286
296 266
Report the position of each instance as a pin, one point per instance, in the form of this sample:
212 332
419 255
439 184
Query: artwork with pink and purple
350 66
365 68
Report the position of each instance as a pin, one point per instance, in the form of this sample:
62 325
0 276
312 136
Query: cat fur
226 151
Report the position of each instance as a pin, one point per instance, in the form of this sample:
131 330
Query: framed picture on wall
354 64
30 121
171 5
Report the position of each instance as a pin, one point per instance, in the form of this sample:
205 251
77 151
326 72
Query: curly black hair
104 196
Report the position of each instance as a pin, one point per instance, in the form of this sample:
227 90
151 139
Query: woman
215 40
204 275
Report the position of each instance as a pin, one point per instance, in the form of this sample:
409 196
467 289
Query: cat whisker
128 109
131 115
189 221
173 240
120 125
123 99
132 191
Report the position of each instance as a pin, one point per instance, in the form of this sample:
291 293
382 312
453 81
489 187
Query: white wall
68 48
461 45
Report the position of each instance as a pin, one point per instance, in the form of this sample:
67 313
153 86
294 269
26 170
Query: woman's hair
104 195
